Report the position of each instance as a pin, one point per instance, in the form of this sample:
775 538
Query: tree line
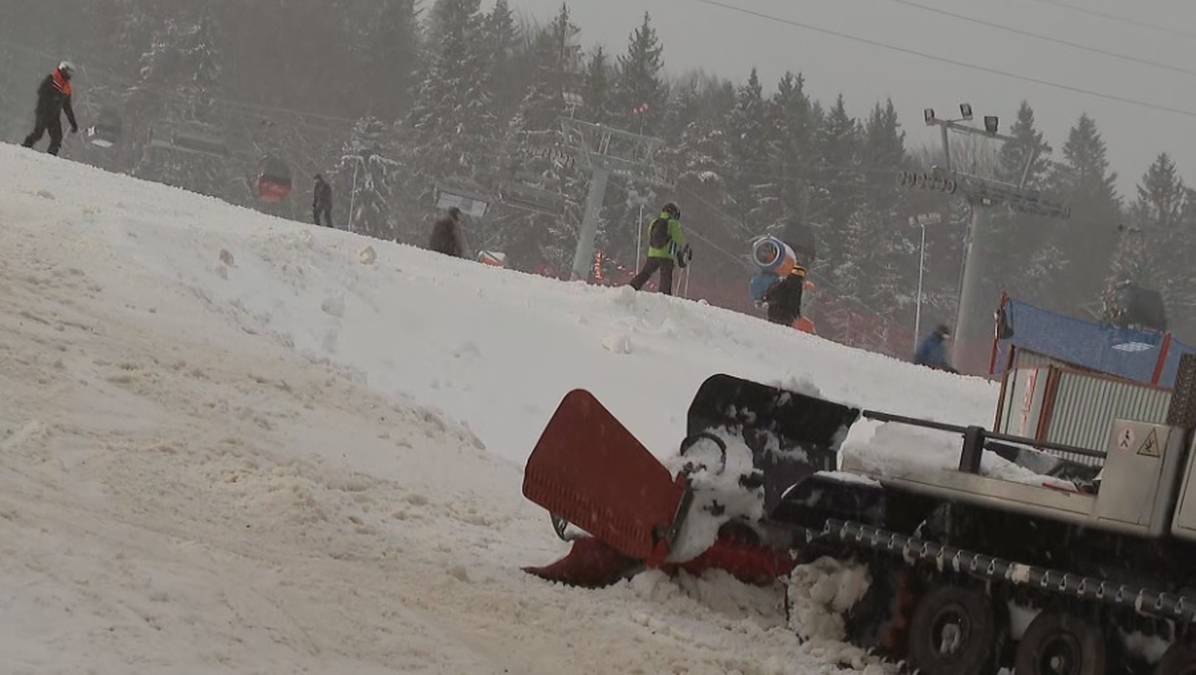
393 99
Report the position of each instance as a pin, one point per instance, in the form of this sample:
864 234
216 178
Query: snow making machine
1090 570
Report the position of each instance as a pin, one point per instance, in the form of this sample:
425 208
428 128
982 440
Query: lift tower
974 322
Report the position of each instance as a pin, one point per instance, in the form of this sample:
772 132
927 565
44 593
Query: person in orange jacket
54 98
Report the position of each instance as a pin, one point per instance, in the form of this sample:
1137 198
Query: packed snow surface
232 443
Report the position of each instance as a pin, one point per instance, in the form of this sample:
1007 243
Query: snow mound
230 441
820 594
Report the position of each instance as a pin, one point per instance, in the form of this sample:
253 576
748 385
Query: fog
697 35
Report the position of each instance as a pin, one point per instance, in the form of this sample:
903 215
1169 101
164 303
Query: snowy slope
496 348
231 443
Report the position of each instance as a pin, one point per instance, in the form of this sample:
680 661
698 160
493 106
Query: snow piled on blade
718 490
238 443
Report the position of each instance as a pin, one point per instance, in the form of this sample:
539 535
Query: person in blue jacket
932 352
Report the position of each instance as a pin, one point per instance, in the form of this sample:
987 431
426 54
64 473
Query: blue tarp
1124 352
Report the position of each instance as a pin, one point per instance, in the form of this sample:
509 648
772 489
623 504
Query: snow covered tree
752 187
837 184
367 176
1154 252
793 135
639 102
1089 238
389 53
452 129
640 80
596 88
882 156
1029 255
537 142
1014 156
852 277
180 78
500 37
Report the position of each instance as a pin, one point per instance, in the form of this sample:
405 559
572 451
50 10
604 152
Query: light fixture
992 124
965 109
928 113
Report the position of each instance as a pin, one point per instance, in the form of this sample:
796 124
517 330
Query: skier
932 353
322 200
666 248
447 237
53 98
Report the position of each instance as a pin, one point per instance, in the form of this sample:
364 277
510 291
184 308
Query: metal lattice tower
607 151
974 323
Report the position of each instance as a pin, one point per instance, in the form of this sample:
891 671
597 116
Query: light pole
921 272
921 220
638 112
352 196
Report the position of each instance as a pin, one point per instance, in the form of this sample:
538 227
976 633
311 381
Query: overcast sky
730 44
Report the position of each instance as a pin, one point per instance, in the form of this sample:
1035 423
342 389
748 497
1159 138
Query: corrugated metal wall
1085 406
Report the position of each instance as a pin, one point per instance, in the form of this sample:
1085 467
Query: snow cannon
774 257
624 510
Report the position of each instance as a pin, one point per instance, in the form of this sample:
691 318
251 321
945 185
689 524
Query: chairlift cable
954 62
1119 19
1047 38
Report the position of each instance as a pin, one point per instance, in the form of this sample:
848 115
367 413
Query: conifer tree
1087 241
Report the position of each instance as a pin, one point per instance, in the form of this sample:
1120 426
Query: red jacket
54 97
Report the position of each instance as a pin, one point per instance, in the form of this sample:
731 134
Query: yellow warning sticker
1150 447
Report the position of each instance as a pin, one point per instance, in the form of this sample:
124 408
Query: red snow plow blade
590 470
587 469
589 564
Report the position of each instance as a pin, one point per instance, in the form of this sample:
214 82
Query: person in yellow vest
666 248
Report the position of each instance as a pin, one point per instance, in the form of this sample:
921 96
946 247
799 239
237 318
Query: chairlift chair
195 137
534 199
107 130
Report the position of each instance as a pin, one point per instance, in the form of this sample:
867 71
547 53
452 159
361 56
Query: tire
954 631
880 620
1061 644
1179 659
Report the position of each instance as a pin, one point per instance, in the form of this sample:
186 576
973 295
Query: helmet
672 209
67 69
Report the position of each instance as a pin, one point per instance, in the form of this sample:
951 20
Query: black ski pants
665 265
44 124
323 210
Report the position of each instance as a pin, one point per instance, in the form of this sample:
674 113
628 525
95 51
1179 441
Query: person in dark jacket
447 237
784 297
321 204
932 353
54 98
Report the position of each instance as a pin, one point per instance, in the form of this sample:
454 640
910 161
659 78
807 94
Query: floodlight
929 115
965 109
992 124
